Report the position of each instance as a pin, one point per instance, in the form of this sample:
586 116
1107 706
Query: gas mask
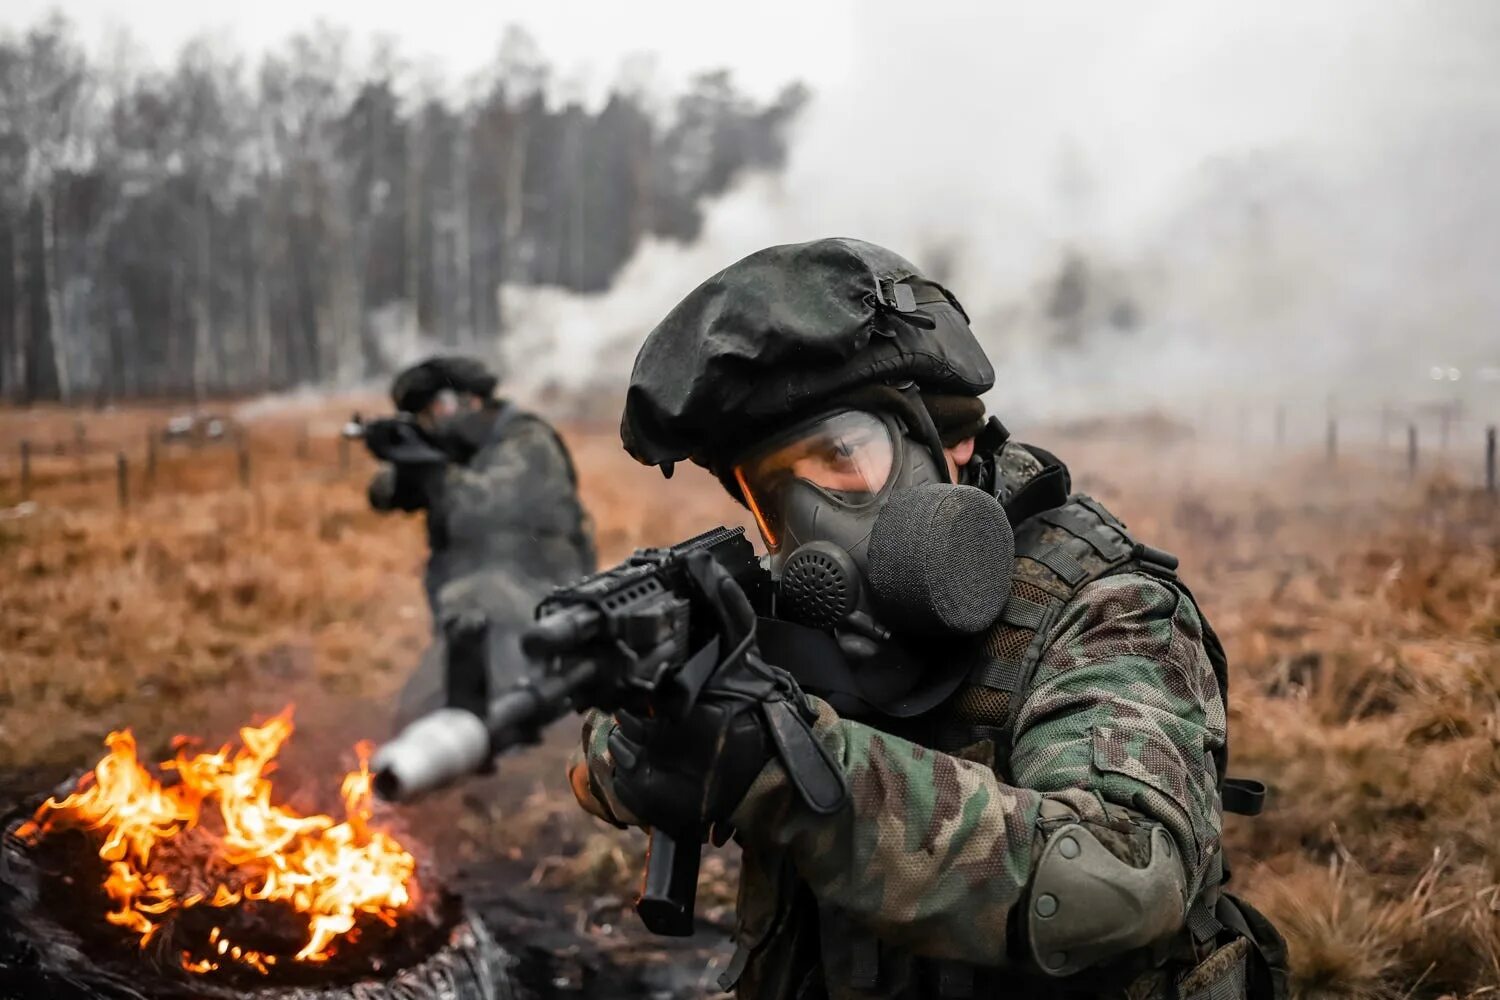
869 542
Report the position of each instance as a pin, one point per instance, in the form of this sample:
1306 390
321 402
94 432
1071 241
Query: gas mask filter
938 563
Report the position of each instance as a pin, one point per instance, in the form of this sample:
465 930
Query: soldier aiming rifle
499 494
969 733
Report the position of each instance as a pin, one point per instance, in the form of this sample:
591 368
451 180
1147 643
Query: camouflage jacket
505 529
934 850
513 510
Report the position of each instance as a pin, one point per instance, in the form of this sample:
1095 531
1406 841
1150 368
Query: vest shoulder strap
1059 551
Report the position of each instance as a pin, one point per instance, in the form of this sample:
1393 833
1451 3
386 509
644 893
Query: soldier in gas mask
499 493
1025 704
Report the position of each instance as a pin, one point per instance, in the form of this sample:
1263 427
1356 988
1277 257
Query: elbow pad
1087 905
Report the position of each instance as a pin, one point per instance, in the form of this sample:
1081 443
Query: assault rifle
626 637
397 439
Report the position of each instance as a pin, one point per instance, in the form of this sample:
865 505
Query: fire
329 873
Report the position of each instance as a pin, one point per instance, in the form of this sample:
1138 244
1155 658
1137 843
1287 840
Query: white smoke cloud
1264 200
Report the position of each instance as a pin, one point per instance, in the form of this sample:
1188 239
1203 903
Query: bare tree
211 230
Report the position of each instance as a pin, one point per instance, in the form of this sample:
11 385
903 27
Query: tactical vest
507 415
1060 550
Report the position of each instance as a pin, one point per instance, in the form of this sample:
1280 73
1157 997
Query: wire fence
203 457
202 454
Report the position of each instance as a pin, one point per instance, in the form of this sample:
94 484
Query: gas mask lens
845 455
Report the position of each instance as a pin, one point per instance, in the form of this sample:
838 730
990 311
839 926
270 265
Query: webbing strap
1244 796
1021 613
1102 512
926 293
1001 675
506 413
864 961
1202 922
1200 918
1106 539
1060 561
730 977
955 980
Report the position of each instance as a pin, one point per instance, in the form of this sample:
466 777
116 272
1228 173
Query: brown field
1361 614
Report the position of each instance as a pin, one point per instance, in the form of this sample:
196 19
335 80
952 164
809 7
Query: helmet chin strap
924 430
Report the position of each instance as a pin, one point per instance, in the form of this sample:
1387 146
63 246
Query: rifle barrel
443 746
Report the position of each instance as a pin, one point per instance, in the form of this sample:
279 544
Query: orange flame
331 873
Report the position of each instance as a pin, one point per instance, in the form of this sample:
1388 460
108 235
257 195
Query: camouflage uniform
1117 729
504 529
1038 814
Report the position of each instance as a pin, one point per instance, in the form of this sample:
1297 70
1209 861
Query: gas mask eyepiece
833 467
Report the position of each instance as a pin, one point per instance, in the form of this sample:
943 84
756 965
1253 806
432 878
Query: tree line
215 227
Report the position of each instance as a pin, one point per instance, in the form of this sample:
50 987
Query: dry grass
1362 619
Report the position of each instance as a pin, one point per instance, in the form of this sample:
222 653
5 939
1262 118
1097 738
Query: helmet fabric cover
416 387
783 331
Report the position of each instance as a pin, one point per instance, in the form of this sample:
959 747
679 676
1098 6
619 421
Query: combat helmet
415 387
796 327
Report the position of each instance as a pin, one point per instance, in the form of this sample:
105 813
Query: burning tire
200 884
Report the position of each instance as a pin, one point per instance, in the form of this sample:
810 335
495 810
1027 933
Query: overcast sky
767 43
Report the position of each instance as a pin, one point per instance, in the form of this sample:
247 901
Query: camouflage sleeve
933 850
590 770
930 854
1124 702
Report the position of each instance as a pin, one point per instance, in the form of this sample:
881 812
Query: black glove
404 487
402 441
683 775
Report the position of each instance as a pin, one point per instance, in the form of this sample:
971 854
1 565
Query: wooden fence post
80 443
25 470
1489 459
244 460
1411 450
122 480
150 460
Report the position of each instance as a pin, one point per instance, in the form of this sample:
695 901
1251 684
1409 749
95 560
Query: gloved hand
402 441
684 775
382 489
403 487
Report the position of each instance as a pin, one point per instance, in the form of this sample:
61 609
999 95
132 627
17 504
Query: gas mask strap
814 659
812 656
925 431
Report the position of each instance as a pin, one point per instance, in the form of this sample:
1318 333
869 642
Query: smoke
1171 203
